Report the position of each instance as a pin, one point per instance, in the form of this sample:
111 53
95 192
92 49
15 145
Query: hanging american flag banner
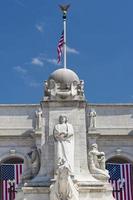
60 46
9 172
121 180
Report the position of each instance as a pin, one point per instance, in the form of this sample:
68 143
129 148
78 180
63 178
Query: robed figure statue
64 143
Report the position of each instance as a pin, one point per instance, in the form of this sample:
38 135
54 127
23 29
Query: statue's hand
62 136
102 153
70 135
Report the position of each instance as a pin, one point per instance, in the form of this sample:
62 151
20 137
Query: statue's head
62 119
92 110
94 146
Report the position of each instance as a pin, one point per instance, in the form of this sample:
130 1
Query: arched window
12 160
10 169
121 172
118 159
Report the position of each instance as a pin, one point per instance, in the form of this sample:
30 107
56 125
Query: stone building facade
23 127
113 132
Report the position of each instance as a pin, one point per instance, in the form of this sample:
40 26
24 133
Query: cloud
72 50
37 61
28 80
43 58
20 69
40 27
52 61
26 77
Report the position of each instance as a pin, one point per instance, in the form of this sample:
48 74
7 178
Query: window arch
120 168
12 160
16 163
118 159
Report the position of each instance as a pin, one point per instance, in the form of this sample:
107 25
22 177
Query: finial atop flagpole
64 9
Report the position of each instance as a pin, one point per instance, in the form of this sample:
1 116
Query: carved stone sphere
64 76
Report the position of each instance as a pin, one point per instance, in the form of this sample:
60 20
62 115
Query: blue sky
100 41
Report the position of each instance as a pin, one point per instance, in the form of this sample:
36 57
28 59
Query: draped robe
64 144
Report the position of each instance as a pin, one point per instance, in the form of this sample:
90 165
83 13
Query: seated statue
34 165
97 163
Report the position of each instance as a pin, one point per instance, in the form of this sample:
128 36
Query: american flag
121 180
9 172
60 46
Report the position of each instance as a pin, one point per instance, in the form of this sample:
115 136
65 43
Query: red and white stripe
18 169
126 193
60 47
5 193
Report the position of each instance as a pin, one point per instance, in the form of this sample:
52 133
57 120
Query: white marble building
108 125
113 132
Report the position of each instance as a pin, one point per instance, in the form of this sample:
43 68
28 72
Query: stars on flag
120 178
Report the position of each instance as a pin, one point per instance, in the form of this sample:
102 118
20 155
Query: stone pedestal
33 193
86 191
97 192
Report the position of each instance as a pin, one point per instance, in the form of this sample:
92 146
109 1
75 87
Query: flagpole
64 23
64 9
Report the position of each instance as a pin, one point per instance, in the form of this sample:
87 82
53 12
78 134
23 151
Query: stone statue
92 119
34 164
64 142
80 88
63 188
64 90
73 88
35 161
38 116
46 89
97 163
